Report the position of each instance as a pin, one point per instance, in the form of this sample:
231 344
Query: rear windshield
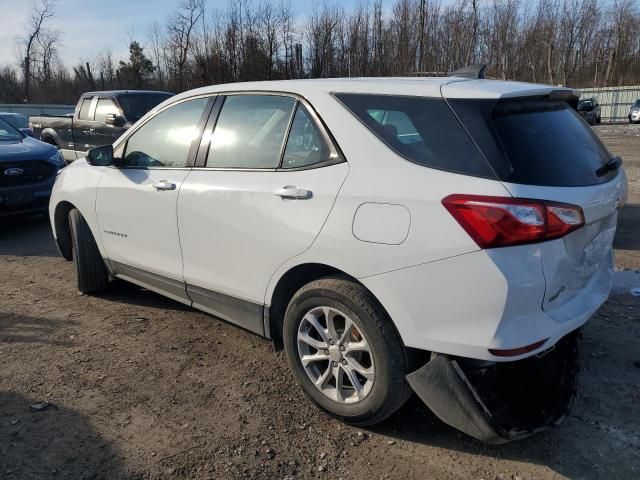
135 106
422 130
547 143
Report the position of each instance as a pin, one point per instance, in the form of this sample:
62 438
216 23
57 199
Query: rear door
82 125
266 180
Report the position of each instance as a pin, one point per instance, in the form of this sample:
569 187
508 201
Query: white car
443 235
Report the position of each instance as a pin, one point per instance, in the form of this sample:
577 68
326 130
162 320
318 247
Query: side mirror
114 120
27 131
100 156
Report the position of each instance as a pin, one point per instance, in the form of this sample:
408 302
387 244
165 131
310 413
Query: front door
137 198
260 200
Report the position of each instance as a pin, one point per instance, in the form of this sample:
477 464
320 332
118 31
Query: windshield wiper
613 164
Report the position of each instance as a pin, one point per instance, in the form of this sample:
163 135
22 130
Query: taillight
506 221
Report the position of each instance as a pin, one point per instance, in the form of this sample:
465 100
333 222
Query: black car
590 110
99 119
28 169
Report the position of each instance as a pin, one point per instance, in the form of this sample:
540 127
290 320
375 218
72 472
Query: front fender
75 187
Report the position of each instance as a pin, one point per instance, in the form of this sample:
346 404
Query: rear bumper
485 300
24 199
498 403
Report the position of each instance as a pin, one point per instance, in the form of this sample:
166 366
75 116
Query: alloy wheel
336 355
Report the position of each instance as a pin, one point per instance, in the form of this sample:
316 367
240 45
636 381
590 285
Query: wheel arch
62 228
287 285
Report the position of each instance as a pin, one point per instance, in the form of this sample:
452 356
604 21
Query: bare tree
576 42
42 10
181 29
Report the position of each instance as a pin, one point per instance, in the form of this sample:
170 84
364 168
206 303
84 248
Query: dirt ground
145 388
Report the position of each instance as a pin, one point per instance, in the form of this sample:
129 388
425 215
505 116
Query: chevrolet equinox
445 236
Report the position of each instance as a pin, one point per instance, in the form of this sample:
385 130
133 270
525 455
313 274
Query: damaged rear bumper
501 402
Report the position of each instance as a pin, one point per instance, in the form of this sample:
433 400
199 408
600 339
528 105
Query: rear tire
361 348
91 272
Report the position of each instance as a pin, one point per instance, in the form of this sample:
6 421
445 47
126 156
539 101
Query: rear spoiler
562 94
568 95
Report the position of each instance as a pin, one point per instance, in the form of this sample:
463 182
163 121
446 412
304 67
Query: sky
92 26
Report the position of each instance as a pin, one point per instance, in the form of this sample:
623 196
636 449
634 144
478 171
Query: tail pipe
501 402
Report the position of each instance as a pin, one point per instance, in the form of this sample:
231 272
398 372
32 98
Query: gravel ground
141 387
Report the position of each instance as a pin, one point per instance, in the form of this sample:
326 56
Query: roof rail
470 71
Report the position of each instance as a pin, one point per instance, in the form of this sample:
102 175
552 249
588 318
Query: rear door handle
164 185
294 193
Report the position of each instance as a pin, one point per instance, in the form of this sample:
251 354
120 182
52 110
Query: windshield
585 105
135 106
637 104
9 132
17 121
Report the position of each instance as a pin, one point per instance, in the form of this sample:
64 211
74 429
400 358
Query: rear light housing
495 222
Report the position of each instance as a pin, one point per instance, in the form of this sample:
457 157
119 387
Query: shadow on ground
120 291
57 442
27 237
16 328
627 237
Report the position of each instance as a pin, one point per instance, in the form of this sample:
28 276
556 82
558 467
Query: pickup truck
99 119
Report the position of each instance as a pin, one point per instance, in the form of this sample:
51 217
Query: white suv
446 235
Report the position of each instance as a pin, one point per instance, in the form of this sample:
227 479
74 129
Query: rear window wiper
613 164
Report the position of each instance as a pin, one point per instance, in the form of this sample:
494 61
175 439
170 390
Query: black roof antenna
470 71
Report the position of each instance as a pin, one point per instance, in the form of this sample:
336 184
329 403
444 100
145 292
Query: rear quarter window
420 129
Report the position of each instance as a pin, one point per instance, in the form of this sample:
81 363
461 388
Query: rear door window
547 143
84 109
420 129
250 131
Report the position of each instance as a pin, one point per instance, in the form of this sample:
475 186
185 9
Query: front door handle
293 193
164 185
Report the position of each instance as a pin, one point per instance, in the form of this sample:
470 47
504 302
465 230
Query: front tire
344 351
91 272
